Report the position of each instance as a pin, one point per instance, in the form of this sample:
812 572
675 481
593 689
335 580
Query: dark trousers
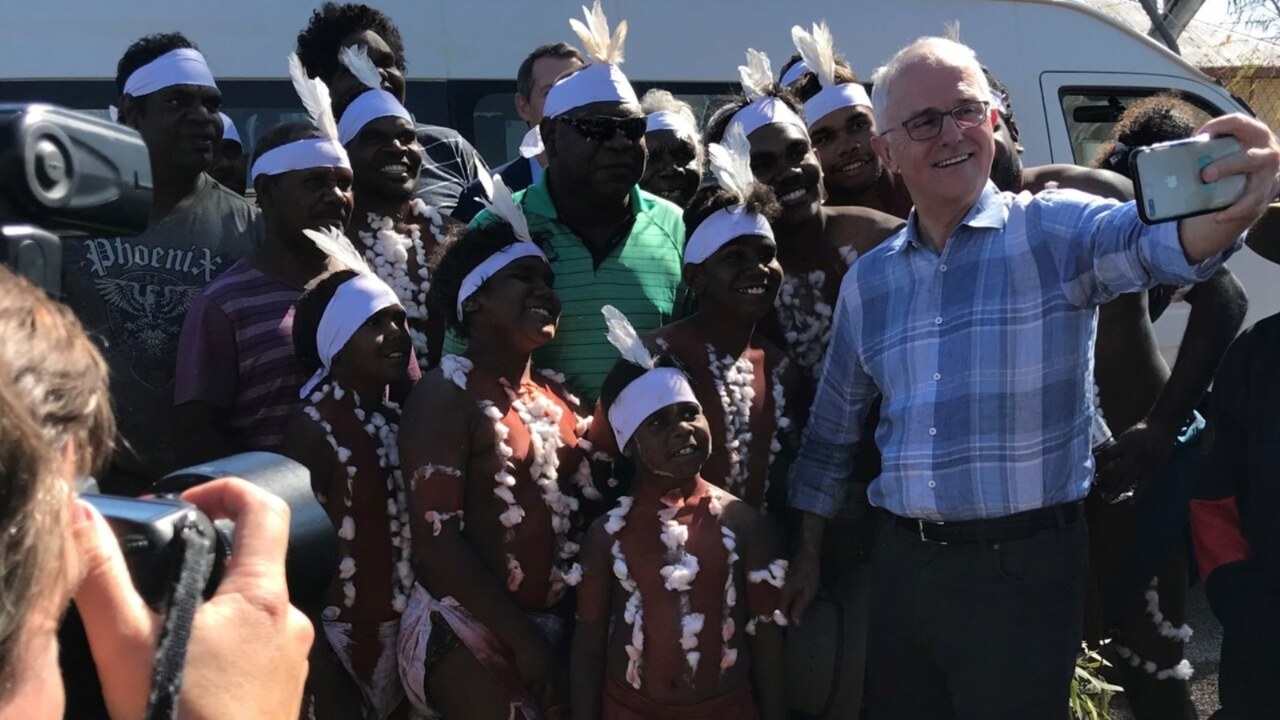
1247 602
974 631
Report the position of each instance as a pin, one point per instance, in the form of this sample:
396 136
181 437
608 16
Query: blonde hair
53 398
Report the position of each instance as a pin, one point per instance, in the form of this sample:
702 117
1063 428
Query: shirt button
937 376
942 267
933 484
937 321
933 431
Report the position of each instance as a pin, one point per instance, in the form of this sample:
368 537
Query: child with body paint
677 610
741 379
492 453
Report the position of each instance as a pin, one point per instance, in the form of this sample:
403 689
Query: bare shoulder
860 227
1095 181
304 438
437 402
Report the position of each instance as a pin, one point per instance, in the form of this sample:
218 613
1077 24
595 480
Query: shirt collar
987 212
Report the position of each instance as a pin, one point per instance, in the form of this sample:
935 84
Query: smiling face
842 141
950 169
378 351
673 441
386 158
783 159
739 281
517 303
672 170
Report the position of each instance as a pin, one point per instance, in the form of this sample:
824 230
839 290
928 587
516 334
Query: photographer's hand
247 655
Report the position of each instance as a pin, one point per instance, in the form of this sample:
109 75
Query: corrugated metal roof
1203 44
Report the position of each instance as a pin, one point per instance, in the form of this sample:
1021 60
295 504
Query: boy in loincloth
677 611
493 448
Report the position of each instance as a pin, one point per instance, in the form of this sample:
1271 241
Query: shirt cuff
1169 261
815 486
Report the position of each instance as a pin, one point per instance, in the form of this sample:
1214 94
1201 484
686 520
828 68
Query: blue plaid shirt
983 354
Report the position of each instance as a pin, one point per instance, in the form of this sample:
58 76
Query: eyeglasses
603 128
928 126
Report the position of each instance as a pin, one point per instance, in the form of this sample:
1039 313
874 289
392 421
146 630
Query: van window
1092 113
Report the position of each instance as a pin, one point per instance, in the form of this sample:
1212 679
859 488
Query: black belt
1002 529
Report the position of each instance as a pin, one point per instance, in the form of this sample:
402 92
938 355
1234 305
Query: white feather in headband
756 75
502 204
731 162
314 95
624 337
817 50
333 243
356 59
601 47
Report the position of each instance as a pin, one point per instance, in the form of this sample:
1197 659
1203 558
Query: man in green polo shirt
608 241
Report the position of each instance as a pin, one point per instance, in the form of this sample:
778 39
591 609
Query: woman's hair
307 313
53 396
469 246
1156 119
710 198
658 100
719 121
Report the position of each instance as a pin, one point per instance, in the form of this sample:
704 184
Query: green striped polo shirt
640 276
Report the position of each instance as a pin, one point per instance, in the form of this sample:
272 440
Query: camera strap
184 598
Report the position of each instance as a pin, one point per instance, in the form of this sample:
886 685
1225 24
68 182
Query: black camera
65 172
148 529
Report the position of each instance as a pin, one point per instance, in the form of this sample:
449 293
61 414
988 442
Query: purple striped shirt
236 353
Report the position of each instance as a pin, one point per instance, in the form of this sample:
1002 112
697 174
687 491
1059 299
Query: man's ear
262 188
130 111
470 305
522 107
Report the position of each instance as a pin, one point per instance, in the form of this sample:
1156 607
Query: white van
1070 68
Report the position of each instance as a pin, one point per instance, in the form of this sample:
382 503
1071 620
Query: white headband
667 120
356 300
828 100
369 106
601 82
492 265
647 394
794 72
768 110
185 66
229 131
722 227
300 155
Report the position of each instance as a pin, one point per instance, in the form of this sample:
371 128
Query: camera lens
49 170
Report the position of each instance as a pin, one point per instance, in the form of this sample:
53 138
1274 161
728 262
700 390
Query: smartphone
1166 178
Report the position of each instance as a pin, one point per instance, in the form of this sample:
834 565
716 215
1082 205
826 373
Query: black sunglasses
602 128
